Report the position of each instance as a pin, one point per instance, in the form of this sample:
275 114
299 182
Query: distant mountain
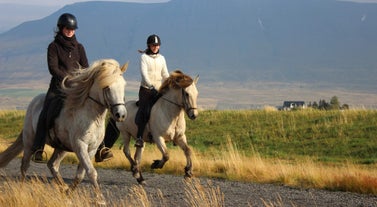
312 41
17 12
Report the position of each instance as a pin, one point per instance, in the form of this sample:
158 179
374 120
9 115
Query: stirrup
103 155
43 156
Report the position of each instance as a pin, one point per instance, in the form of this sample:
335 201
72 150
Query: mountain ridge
320 43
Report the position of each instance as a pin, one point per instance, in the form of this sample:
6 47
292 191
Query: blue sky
361 1
15 12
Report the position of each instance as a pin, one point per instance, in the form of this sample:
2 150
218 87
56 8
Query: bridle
108 105
185 104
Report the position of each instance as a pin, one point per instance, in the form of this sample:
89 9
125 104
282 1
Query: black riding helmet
153 40
67 20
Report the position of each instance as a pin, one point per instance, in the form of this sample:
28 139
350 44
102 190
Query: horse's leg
126 150
80 174
54 163
25 162
86 165
182 143
138 157
135 167
164 151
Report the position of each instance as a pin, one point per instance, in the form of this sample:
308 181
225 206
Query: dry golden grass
36 192
39 192
230 164
233 165
203 195
301 173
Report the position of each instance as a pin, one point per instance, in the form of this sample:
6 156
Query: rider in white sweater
153 71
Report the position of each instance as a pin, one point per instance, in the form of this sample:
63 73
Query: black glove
154 91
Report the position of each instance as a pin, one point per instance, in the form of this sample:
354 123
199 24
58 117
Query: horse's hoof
188 172
141 182
136 175
135 172
156 164
188 176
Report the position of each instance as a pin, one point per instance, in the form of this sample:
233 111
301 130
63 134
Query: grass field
334 150
334 136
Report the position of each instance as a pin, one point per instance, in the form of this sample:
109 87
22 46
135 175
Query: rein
97 102
185 105
179 105
108 105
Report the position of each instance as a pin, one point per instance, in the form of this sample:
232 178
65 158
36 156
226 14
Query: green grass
334 136
11 123
16 92
326 136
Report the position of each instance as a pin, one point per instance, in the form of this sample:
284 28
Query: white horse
80 126
166 123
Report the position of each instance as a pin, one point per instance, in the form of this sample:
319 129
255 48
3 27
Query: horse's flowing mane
77 86
177 79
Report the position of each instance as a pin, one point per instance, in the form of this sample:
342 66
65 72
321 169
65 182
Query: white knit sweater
153 70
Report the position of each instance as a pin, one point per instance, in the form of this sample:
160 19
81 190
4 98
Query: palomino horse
80 127
166 123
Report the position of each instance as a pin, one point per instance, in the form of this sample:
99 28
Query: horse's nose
192 115
120 115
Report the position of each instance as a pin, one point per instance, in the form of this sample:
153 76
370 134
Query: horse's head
102 83
189 92
112 85
190 96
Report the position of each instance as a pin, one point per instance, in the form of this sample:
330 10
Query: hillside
315 44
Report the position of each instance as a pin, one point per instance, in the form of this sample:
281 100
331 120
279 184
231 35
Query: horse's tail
12 151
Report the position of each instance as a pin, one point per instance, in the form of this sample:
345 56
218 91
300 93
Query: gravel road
116 184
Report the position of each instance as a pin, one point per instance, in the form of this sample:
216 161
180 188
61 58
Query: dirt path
116 184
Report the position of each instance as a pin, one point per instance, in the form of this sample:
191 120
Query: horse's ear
196 79
184 81
124 67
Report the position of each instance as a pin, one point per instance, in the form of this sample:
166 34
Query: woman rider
64 55
154 71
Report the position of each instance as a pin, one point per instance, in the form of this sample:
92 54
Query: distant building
289 105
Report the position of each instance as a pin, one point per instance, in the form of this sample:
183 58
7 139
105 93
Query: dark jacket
63 56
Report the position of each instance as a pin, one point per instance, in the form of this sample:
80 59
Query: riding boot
111 135
139 138
52 106
147 98
103 153
40 137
